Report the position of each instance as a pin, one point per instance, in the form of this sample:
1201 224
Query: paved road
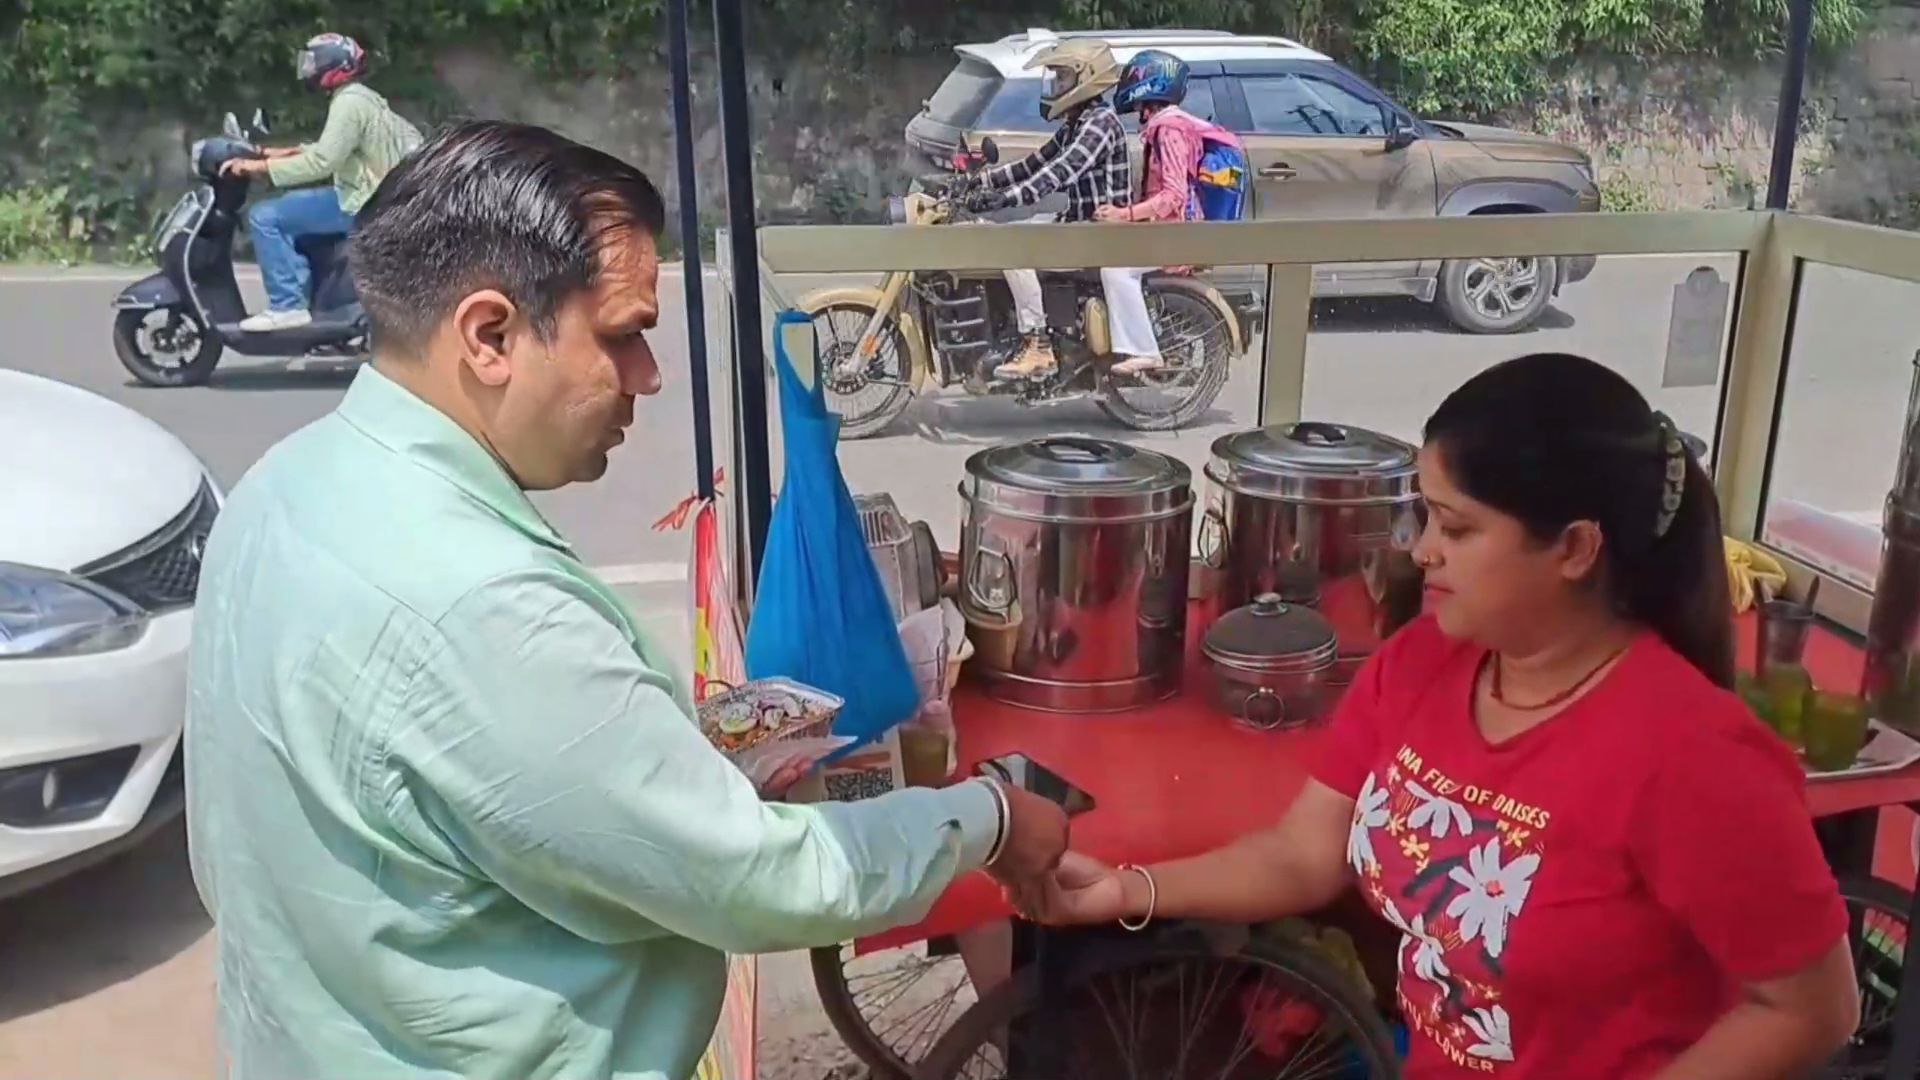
1380 365
124 950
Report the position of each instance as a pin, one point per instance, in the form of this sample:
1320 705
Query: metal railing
1773 249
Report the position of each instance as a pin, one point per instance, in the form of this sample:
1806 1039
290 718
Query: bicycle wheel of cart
890 1007
1879 941
1175 1007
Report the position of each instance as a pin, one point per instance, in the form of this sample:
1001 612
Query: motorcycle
879 346
172 326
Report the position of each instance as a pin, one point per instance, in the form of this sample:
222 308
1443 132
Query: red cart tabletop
1178 778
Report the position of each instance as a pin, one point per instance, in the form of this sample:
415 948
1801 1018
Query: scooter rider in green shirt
363 139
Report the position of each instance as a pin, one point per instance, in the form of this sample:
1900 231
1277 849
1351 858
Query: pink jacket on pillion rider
1174 140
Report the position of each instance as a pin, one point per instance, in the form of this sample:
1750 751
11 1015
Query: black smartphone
1021 771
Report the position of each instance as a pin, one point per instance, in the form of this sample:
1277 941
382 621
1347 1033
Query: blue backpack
1220 183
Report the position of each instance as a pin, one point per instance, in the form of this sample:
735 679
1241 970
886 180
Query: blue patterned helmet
1152 77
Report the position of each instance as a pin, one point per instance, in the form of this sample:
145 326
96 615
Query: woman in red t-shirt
1600 864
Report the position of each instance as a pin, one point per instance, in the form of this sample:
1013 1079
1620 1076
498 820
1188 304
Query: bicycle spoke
907 969
1120 1041
1333 1061
929 1030
911 1020
903 985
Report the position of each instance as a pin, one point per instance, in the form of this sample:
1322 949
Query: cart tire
972 1043
855 1028
1878 927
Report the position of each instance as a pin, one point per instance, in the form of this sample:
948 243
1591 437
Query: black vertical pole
1786 122
756 487
695 283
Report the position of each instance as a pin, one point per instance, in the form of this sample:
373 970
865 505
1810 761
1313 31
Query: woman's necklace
1557 699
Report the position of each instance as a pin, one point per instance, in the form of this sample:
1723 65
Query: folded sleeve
537 744
1723 839
1371 710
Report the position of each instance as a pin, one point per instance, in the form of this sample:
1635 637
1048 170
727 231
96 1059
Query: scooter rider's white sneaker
268 321
1138 365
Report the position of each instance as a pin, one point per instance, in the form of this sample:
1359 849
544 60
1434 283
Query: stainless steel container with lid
1331 504
1073 570
1272 664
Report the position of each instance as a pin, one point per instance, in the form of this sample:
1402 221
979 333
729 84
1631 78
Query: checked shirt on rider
1087 157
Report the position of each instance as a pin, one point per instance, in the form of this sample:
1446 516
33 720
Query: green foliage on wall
84 84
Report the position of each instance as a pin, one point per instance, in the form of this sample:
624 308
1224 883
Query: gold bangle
1153 898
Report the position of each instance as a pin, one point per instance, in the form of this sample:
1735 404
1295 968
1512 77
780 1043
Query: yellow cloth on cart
1751 570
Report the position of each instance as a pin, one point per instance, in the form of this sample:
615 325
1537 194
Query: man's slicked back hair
491 205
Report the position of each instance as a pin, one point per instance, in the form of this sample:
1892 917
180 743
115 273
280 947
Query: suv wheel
1497 296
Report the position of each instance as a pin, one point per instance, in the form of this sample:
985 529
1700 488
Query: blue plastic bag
821 615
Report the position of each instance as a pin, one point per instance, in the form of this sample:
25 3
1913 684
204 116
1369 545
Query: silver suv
1323 143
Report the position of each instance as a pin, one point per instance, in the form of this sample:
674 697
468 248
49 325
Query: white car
103 517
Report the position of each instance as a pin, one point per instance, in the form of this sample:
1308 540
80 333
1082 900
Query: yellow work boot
1034 362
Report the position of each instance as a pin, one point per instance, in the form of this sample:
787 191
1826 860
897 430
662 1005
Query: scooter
172 327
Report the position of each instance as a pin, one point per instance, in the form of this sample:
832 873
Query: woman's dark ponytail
1678 585
1552 439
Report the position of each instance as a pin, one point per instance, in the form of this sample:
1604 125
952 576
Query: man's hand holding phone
1036 837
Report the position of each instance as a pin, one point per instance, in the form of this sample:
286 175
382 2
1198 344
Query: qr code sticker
874 769
855 784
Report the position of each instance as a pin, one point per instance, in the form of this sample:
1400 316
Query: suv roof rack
1039 35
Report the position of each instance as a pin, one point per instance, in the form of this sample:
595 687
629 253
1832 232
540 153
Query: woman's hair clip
1674 482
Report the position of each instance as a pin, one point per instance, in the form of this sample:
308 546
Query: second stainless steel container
1327 503
1074 571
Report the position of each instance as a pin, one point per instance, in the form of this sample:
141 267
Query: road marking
650 573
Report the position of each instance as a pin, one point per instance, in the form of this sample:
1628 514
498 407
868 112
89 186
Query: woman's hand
1082 889
1105 212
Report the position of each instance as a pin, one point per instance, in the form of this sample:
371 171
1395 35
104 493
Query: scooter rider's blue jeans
276 224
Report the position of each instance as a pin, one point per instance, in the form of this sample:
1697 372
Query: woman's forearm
1295 867
1757 1042
1245 882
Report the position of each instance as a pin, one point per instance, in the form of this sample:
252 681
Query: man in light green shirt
445 802
362 141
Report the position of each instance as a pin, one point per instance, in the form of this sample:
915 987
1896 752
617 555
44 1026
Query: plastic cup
1783 629
1785 690
1835 728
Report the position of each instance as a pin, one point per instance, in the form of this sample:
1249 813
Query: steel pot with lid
1073 572
1330 504
1272 664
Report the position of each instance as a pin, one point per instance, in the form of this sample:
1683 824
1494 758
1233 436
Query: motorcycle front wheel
1196 342
166 346
870 398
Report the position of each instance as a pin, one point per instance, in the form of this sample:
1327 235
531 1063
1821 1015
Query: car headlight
46 613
